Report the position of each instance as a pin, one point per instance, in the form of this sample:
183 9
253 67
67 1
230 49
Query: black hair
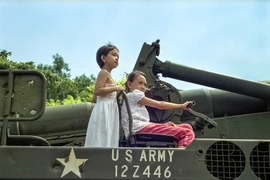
104 50
132 76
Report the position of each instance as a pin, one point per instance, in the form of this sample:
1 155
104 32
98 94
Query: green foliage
7 64
4 53
60 67
122 81
61 88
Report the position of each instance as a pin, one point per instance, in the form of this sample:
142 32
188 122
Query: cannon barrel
57 123
151 66
231 96
214 80
218 103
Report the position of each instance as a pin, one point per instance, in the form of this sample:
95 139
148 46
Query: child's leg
187 139
185 135
185 125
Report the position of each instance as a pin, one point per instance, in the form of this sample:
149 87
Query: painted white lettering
171 154
116 170
156 156
152 154
115 154
161 156
149 171
135 171
167 172
124 168
146 172
157 172
143 156
128 155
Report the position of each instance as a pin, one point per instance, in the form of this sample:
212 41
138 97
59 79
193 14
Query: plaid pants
183 132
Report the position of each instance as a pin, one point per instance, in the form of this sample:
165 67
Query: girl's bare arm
100 90
162 104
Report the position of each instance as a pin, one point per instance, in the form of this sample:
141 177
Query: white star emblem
71 164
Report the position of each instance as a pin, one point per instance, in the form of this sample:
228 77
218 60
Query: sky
225 37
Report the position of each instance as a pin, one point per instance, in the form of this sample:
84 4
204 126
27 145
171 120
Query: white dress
103 126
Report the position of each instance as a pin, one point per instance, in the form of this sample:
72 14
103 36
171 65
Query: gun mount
236 148
151 66
232 99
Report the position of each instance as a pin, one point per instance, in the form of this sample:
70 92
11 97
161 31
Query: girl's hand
170 124
185 105
119 88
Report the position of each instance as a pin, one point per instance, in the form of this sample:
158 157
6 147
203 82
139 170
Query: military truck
230 123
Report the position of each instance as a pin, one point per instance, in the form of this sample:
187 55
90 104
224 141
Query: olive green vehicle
231 123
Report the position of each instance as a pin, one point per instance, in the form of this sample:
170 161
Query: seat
142 139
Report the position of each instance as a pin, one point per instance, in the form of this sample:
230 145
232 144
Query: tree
44 67
6 64
84 81
61 89
59 66
5 54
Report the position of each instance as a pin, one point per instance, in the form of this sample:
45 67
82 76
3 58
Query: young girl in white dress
103 126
